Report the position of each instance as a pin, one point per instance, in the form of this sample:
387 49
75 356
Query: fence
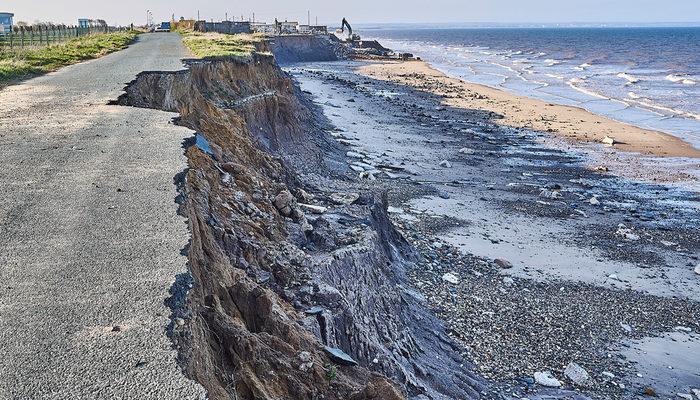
36 36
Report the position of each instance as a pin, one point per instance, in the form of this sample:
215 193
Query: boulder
445 164
608 140
339 356
284 202
505 264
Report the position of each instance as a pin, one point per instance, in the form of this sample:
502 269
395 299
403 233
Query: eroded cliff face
297 288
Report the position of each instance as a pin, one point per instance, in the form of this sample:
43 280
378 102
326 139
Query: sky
330 12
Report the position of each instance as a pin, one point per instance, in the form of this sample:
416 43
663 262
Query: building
262 27
229 27
289 27
6 22
83 23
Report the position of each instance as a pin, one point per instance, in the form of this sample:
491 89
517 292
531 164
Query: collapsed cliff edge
297 286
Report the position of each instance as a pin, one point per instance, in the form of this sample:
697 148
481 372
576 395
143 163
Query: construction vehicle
350 36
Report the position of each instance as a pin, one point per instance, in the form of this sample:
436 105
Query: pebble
451 278
505 264
546 379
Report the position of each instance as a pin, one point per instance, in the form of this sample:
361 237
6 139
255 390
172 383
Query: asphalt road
90 238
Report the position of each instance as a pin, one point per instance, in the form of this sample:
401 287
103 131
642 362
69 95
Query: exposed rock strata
276 285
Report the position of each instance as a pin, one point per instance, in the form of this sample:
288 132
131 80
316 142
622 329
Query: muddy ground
533 260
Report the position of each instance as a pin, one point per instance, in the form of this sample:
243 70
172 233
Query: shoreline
571 123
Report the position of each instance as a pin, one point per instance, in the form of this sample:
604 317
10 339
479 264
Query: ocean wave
631 80
684 79
575 84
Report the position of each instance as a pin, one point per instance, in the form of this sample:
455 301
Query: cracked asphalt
90 239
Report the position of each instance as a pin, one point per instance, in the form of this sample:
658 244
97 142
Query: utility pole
253 17
308 17
147 12
226 17
198 16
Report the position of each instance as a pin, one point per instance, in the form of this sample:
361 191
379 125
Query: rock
451 278
466 150
608 140
626 233
306 361
697 269
508 280
445 164
443 194
577 374
685 396
550 194
315 310
339 356
683 329
354 154
625 328
312 208
649 391
546 379
594 201
344 198
505 264
284 202
608 374
696 392
356 168
179 321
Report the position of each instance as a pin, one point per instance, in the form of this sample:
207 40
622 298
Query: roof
7 13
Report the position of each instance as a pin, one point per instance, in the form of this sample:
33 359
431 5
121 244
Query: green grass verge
18 64
220 45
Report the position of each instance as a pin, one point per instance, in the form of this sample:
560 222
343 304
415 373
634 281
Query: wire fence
22 37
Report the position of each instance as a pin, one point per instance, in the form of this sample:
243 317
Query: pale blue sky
365 11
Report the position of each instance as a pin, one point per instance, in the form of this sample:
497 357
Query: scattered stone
505 264
466 150
179 321
445 164
283 202
306 361
626 233
451 278
577 374
339 356
344 198
594 201
443 195
608 140
546 379
550 194
313 208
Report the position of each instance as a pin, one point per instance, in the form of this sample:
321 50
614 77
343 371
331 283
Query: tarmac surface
90 238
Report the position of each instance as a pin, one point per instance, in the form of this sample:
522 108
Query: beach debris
466 150
577 374
445 164
594 201
609 141
685 396
344 198
313 208
546 378
550 194
450 278
339 356
503 263
626 233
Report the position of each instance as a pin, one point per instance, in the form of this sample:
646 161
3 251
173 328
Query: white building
6 22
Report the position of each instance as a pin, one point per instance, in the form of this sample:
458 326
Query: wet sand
571 123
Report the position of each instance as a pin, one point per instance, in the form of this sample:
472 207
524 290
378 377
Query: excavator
350 37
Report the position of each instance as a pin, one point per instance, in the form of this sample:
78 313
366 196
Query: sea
645 76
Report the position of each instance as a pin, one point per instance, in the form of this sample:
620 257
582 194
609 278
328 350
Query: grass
18 64
220 45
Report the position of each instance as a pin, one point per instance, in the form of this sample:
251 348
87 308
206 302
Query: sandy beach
570 123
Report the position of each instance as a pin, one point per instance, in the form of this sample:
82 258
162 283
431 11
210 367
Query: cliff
297 287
